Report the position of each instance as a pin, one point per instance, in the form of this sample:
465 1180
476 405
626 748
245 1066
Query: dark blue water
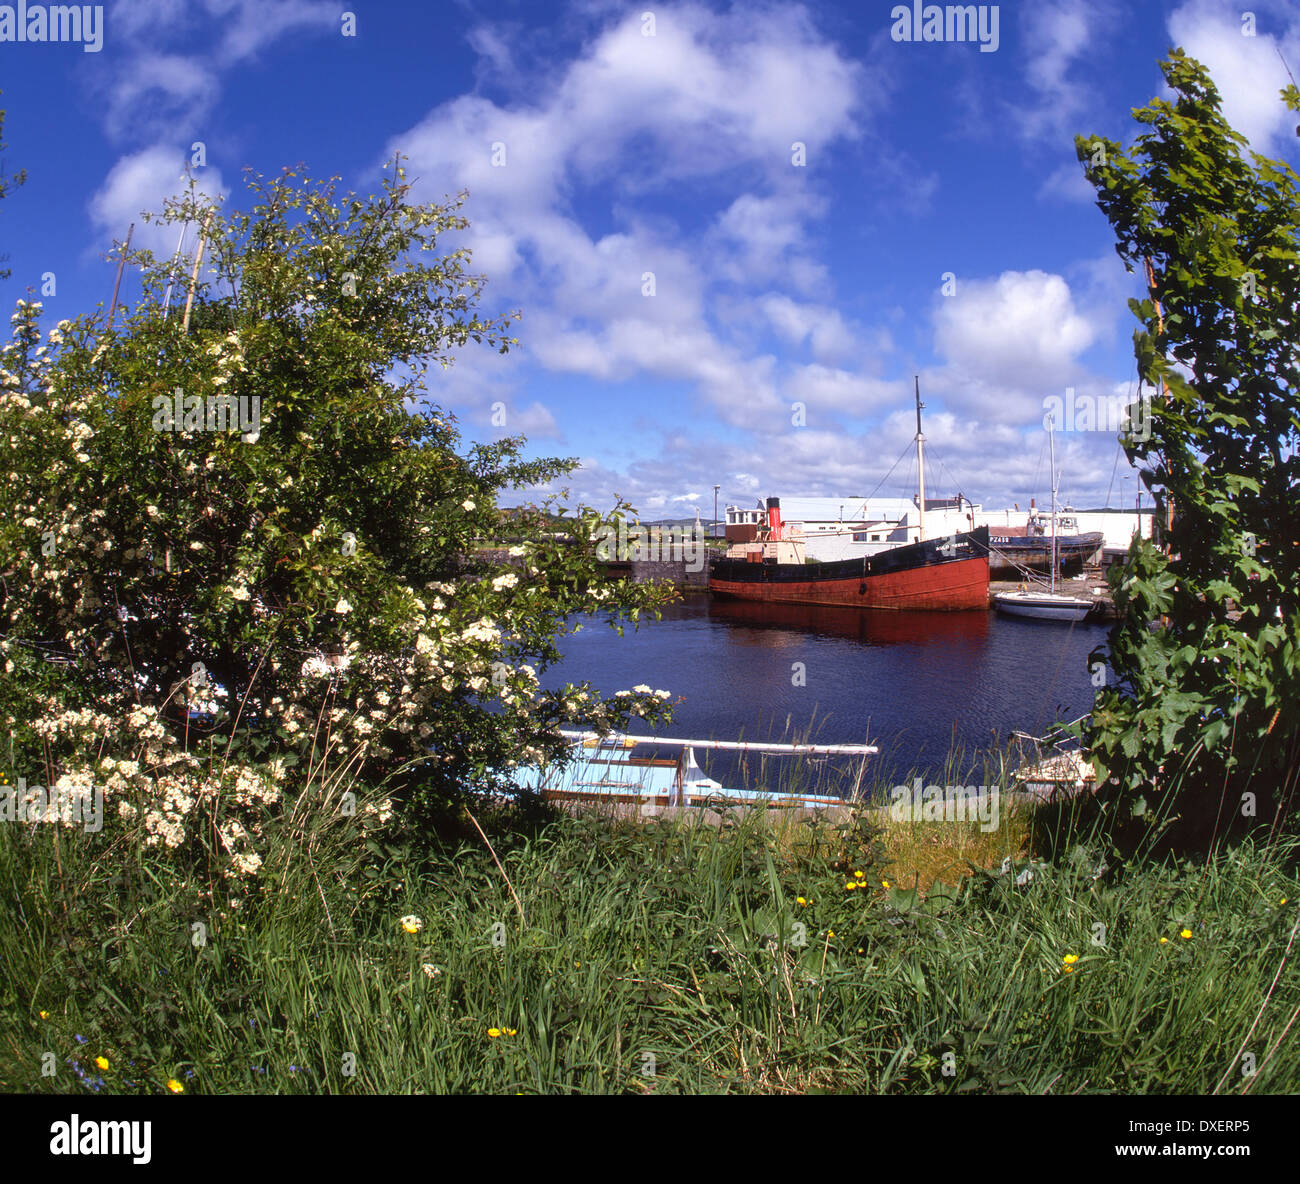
912 683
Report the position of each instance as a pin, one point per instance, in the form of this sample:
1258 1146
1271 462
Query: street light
715 510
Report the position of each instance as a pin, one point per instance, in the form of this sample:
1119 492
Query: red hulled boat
947 573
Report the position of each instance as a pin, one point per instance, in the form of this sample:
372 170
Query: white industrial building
835 528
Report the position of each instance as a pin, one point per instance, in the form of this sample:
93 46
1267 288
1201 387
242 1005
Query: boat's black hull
943 574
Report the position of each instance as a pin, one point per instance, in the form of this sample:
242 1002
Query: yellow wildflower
1186 933
799 900
858 875
45 1015
102 1062
494 1032
175 1086
412 924
884 883
1164 941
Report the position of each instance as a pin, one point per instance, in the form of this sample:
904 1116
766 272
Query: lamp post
715 510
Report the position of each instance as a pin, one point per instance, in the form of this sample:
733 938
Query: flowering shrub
204 618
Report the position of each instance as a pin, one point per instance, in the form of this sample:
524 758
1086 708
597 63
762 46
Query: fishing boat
603 769
1035 603
1016 548
946 573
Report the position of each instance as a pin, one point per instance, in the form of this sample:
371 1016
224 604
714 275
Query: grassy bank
660 957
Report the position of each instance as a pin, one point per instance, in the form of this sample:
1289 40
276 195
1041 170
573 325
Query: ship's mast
920 462
1051 445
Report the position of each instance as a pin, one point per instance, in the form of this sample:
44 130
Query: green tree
7 184
204 609
1207 650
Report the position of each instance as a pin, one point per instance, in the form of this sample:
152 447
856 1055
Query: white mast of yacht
920 462
1051 446
1049 605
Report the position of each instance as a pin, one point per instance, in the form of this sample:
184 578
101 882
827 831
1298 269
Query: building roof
843 509
852 509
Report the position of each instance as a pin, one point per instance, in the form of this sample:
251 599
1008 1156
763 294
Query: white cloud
158 92
1069 183
1018 328
1247 70
534 421
828 335
133 19
141 182
706 89
251 25
825 389
761 239
496 58
160 83
1057 38
742 389
709 94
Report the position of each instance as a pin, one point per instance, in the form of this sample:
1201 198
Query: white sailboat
1050 605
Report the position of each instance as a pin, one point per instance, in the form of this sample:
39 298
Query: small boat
1064 773
1052 766
1050 605
1061 775
603 769
1043 606
1012 549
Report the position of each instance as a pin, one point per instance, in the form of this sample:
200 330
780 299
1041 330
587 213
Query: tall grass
657 956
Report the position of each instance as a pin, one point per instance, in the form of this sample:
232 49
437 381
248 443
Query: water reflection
767 621
914 683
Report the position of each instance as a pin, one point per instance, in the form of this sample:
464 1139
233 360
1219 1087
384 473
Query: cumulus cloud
1247 70
1007 340
711 96
828 335
828 389
141 182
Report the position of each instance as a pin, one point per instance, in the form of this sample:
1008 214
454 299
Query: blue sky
775 283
